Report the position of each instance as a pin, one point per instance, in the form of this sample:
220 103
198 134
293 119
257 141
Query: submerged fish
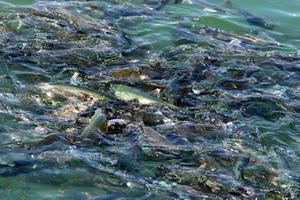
98 120
257 21
71 90
227 8
154 138
238 169
165 2
126 93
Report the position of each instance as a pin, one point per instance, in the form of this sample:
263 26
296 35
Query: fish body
165 2
98 120
227 8
156 139
72 90
126 93
250 18
238 169
257 21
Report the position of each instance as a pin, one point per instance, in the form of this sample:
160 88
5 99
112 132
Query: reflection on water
211 111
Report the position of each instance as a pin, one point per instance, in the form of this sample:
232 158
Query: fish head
118 88
123 92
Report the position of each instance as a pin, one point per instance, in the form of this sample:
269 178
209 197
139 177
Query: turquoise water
232 72
284 15
19 2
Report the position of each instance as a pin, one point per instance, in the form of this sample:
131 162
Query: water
237 76
18 2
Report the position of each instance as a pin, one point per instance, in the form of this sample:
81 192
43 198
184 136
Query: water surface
238 79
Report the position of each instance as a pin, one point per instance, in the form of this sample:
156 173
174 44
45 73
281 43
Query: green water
19 2
233 134
284 15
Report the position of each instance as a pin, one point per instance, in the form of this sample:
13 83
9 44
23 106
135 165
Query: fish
14 163
72 90
227 8
154 138
165 2
127 93
257 21
250 18
99 120
238 169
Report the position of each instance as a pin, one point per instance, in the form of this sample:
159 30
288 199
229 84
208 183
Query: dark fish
97 121
130 161
227 8
19 167
163 3
257 21
238 169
